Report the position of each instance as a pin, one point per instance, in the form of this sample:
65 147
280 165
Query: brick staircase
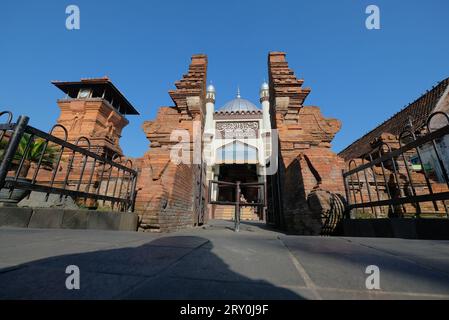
227 213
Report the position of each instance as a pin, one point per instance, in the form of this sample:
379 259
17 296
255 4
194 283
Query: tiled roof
102 84
418 111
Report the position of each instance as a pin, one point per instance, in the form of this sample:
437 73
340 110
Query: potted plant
30 156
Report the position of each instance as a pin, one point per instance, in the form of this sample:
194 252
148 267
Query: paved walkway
215 263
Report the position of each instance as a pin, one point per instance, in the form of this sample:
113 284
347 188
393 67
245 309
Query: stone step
227 213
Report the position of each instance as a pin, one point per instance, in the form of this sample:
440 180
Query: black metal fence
33 160
234 197
407 178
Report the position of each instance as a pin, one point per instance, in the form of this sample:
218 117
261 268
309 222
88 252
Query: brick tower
95 109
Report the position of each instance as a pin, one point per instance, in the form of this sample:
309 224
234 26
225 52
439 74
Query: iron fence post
11 149
237 207
348 199
133 194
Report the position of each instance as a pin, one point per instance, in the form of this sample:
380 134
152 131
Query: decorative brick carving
189 96
94 119
287 89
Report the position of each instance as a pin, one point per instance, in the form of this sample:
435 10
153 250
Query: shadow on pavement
176 267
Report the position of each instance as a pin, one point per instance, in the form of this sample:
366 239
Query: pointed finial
238 92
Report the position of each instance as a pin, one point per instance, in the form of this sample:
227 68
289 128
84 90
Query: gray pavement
213 262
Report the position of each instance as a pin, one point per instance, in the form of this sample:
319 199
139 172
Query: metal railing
387 180
214 192
33 160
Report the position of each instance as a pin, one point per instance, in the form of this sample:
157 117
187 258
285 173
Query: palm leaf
32 151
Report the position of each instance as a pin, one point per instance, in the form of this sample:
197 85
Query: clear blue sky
359 76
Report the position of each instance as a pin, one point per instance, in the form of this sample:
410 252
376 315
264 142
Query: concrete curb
67 219
15 217
430 229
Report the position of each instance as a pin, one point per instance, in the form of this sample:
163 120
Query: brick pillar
172 196
306 160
